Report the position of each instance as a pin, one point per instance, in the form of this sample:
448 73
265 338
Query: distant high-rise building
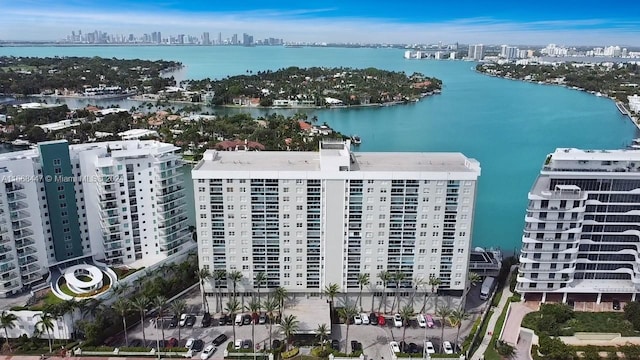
476 52
219 38
247 39
234 39
205 39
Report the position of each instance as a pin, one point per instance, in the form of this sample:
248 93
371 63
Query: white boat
356 140
20 142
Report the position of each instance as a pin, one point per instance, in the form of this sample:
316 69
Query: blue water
509 126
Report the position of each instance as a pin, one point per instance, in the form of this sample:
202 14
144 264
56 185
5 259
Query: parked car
247 344
354 345
357 319
208 352
381 320
335 344
191 320
365 319
373 319
189 343
173 342
422 321
448 349
223 320
229 320
206 320
197 346
616 305
136 343
246 319
429 320
220 339
174 322
238 320
413 348
262 319
394 347
428 347
183 320
276 344
397 320
238 344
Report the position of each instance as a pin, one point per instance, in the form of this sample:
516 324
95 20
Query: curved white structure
78 286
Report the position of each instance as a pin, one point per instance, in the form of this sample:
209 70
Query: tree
281 296
456 317
289 327
46 324
253 308
417 282
385 276
443 313
269 307
322 331
178 307
509 352
160 302
398 278
218 277
347 313
434 282
7 321
235 277
232 308
406 313
141 303
258 280
203 275
363 280
472 280
122 306
331 291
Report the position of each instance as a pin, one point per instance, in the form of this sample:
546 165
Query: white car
428 347
397 320
357 319
208 351
394 347
189 343
365 319
448 349
183 320
422 321
238 344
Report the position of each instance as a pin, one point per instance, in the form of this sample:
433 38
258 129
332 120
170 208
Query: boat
356 140
21 143
635 144
295 46
621 108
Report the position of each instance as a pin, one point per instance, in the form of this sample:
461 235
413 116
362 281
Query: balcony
15 196
19 215
6 267
29 269
17 205
26 252
5 249
17 225
13 187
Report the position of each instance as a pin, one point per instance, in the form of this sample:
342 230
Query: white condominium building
119 202
308 219
581 234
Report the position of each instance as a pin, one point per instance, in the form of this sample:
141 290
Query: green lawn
605 322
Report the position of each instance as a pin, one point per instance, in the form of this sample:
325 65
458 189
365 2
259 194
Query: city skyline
406 22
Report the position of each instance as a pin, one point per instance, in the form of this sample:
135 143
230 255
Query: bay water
509 126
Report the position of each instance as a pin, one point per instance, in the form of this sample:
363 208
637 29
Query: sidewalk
486 340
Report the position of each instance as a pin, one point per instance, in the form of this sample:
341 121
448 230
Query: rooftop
596 155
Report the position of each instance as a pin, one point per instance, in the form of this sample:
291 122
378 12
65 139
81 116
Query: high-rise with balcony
308 219
119 202
582 234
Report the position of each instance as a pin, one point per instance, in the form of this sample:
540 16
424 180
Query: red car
381 320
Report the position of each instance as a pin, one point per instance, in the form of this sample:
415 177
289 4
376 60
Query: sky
566 22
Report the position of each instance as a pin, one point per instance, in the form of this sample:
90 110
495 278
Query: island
617 81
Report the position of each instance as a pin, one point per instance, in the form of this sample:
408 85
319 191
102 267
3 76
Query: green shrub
515 298
291 353
474 329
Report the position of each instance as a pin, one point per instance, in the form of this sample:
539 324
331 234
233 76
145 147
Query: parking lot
374 339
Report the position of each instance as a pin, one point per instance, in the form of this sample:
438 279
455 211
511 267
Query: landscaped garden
561 320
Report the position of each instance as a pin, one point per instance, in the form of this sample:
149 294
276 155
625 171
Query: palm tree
46 324
472 280
363 280
281 296
235 277
331 291
121 288
347 313
258 280
141 303
7 321
443 313
122 306
218 277
398 278
70 306
232 308
406 313
160 302
269 307
253 307
178 308
455 319
289 326
322 331
417 282
385 276
203 275
434 282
